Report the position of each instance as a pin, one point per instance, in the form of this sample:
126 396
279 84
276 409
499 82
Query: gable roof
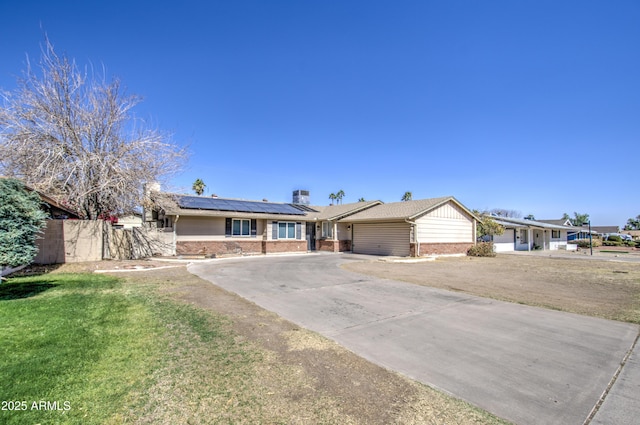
606 229
559 222
523 222
336 212
405 210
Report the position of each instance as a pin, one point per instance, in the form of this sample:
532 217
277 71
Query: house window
524 236
241 227
555 234
327 229
286 230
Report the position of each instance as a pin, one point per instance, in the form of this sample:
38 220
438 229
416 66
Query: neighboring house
216 226
128 222
635 234
526 235
55 210
413 228
576 232
604 230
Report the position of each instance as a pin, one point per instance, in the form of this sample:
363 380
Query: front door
311 236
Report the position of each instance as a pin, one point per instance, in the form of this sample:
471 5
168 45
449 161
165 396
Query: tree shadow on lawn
14 291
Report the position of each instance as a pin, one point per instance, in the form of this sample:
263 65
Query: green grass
111 351
73 338
99 346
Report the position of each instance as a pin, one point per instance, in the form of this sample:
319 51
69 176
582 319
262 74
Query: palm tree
362 200
340 195
407 196
333 197
198 187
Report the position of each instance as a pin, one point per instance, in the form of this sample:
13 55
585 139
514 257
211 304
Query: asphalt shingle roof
335 212
405 210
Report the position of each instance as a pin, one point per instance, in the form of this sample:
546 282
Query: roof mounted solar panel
303 207
217 204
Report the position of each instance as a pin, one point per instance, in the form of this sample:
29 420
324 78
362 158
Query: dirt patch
591 287
308 378
92 266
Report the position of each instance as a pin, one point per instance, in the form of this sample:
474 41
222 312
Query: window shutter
254 227
227 227
274 231
298 230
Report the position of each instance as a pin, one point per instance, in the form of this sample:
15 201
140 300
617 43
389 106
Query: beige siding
208 229
445 224
344 232
381 238
200 228
269 224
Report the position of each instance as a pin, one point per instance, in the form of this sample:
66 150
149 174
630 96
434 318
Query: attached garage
382 238
437 226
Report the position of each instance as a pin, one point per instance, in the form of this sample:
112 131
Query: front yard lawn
84 349
165 347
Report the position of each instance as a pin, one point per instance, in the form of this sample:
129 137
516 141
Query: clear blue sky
526 105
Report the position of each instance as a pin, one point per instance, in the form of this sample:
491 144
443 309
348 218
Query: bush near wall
584 243
482 249
611 243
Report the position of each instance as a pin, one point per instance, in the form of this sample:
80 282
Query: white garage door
381 239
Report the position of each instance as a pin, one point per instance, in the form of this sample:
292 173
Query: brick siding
440 248
269 247
213 248
333 246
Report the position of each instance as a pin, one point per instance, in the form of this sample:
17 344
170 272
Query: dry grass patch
274 372
590 287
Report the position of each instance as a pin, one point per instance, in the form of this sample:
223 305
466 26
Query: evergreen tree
21 219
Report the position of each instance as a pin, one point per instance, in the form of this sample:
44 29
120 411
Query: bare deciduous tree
503 212
73 136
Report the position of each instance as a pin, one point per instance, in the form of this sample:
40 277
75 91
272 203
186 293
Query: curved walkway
525 364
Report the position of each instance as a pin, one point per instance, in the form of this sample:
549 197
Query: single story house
526 235
605 230
413 228
215 226
635 234
577 232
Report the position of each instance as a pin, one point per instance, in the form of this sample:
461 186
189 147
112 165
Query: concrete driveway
525 364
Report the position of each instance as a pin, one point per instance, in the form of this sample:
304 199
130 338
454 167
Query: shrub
638 244
611 243
614 238
482 249
584 243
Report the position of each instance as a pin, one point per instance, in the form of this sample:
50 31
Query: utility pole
590 240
